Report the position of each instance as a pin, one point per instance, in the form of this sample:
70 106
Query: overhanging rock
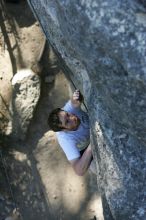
103 43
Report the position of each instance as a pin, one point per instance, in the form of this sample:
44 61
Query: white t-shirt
72 142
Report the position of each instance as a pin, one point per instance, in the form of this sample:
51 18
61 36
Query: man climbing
71 125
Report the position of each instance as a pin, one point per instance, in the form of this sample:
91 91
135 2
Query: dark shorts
82 151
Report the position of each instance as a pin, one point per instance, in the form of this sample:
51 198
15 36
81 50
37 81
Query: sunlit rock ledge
102 48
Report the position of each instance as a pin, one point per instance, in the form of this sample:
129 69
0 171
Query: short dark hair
54 121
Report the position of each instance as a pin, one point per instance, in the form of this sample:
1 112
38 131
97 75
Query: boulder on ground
25 96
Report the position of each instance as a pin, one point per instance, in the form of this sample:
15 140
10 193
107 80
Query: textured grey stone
103 46
26 93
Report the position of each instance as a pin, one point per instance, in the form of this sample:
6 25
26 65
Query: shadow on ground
43 182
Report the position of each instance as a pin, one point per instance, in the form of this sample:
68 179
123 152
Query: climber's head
62 120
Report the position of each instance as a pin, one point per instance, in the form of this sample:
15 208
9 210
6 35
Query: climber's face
69 121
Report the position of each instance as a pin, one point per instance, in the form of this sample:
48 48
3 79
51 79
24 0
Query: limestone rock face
103 46
25 96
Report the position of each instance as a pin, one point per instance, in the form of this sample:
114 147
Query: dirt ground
35 176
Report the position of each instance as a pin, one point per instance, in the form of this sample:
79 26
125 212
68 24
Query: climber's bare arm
77 99
82 164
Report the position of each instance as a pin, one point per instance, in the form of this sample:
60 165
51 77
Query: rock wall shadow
9 17
6 17
26 194
19 17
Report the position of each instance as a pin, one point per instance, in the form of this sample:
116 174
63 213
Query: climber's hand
77 95
77 98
